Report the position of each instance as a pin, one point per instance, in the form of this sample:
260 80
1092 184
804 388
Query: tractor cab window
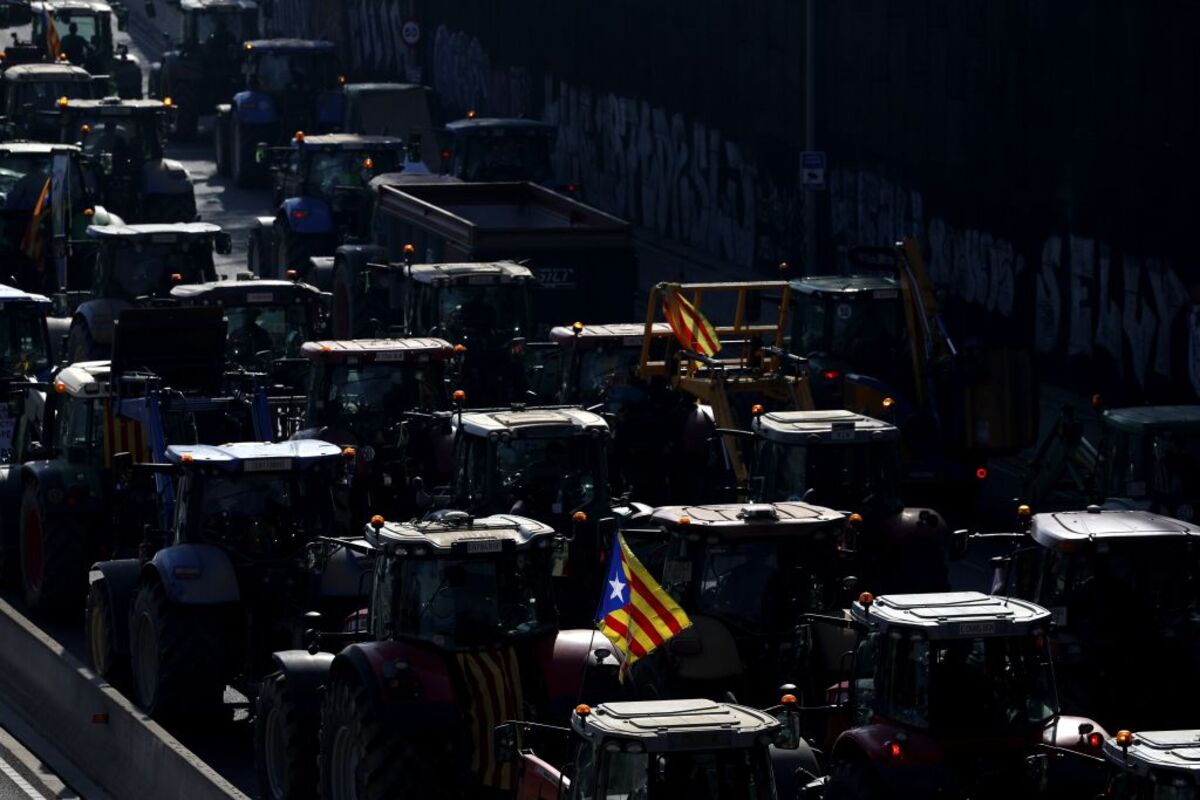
864 333
1126 472
855 476
22 177
43 95
469 602
146 268
81 34
294 72
264 514
607 372
506 156
713 775
24 349
864 685
279 330
80 424
222 28
982 686
347 169
367 398
467 307
549 476
1176 459
127 140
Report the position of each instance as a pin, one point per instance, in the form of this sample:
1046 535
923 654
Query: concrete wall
1043 152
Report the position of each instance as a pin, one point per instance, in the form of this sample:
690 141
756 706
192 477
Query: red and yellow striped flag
690 327
32 244
53 45
494 682
123 436
636 614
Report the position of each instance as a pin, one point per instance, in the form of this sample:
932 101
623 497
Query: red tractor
461 635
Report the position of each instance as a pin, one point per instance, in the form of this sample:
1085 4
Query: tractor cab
217 28
84 30
1154 765
25 348
1120 584
651 749
480 149
125 140
1150 457
743 574
954 694
30 89
392 109
596 364
295 78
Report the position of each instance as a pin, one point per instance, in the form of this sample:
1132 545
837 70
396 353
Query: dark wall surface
1044 153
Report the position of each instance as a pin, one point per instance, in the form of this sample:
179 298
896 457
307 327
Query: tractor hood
166 176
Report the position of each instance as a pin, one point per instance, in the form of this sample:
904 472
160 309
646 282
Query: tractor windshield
482 307
864 333
371 398
128 140
331 170
849 476
43 95
22 177
546 476
221 28
264 514
1176 478
975 686
467 602
149 268
503 155
608 372
24 349
280 72
81 34
1157 785
718 774
277 330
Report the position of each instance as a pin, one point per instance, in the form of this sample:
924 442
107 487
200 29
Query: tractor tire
245 169
177 669
80 344
53 559
102 650
363 759
855 780
285 744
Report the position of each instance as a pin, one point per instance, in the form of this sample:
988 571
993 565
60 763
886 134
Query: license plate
841 436
259 297
485 546
389 356
976 628
268 464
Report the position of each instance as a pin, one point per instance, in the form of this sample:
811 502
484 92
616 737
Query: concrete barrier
116 745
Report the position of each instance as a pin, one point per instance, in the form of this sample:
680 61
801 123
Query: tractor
488 149
124 139
1153 765
290 85
1121 584
95 49
137 265
953 695
323 195
242 569
851 462
28 90
876 344
385 399
48 198
460 636
485 307
203 65
660 749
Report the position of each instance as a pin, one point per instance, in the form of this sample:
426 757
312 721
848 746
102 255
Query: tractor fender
254 108
120 579
101 317
263 225
794 769
196 574
570 663
307 215
53 479
320 272
343 574
869 743
331 108
407 682
166 176
1063 732
914 524
699 426
306 675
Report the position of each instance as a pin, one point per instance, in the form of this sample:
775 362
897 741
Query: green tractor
28 90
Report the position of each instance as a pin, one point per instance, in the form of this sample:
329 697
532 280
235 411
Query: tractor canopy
598 363
254 457
264 315
853 321
674 726
952 615
150 259
1155 765
283 66
38 87
493 149
370 351
473 302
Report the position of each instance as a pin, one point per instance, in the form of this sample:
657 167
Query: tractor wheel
102 650
285 744
362 759
175 652
854 780
53 561
80 344
245 170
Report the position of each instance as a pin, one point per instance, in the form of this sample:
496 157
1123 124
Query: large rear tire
102 649
53 559
178 672
81 346
285 744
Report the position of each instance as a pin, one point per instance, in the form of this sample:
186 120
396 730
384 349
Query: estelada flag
690 327
32 244
636 614
53 45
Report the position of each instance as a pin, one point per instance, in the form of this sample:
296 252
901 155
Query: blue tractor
291 85
241 567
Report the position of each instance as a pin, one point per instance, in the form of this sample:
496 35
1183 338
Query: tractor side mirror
505 742
122 462
223 243
150 9
789 717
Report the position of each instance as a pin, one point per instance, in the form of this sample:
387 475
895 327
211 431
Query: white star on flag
618 589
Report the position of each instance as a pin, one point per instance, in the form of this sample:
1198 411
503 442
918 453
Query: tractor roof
952 615
879 287
46 72
155 233
94 6
205 5
676 725
36 148
628 334
290 46
246 292
833 427
458 533
1067 530
381 87
1140 418
85 378
416 349
1175 751
748 519
536 422
471 272
116 107
350 142
483 124
10 296
256 456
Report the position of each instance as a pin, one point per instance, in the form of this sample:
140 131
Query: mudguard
320 272
331 108
343 574
101 317
165 176
254 108
407 682
120 578
915 524
307 215
196 574
306 675
573 670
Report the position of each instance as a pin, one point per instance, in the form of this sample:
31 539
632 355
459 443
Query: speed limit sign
410 32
